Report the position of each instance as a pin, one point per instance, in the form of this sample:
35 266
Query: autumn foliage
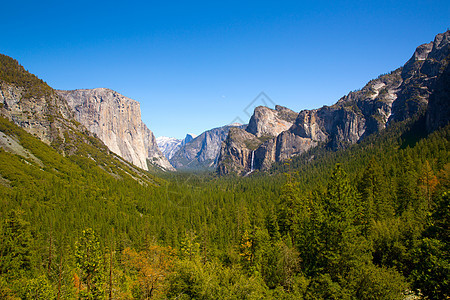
149 269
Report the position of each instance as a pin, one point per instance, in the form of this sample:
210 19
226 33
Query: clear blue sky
195 65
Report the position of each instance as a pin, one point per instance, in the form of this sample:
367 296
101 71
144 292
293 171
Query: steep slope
438 112
116 120
267 122
32 113
31 104
392 97
237 152
241 151
169 146
202 152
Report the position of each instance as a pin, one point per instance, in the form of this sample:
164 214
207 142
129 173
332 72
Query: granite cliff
239 152
31 114
203 151
116 120
266 122
392 97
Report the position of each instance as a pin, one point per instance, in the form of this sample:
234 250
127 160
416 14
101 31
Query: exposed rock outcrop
169 146
41 117
266 122
116 120
438 112
236 152
202 152
284 146
31 104
392 97
245 150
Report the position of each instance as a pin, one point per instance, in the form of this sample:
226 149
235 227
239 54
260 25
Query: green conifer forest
369 222
366 222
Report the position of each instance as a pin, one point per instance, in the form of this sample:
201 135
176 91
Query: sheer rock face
46 117
241 145
203 151
438 112
420 76
116 120
389 98
267 122
236 152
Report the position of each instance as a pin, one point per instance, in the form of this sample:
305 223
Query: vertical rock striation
266 122
236 152
421 84
116 120
257 139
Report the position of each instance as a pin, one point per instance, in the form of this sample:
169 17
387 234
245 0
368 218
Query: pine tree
343 244
407 185
272 225
289 206
15 246
89 260
374 193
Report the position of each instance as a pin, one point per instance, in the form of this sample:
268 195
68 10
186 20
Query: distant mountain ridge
169 146
67 119
393 97
203 151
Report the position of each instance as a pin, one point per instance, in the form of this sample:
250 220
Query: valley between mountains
348 201
272 134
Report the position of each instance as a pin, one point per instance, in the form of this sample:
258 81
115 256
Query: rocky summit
116 120
266 122
421 84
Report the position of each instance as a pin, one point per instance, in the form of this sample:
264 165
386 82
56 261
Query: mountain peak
270 122
422 83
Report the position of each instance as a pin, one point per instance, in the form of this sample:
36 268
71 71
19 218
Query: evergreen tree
431 270
89 260
406 184
375 196
343 245
272 225
16 246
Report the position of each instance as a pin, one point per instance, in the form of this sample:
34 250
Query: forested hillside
369 222
77 222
